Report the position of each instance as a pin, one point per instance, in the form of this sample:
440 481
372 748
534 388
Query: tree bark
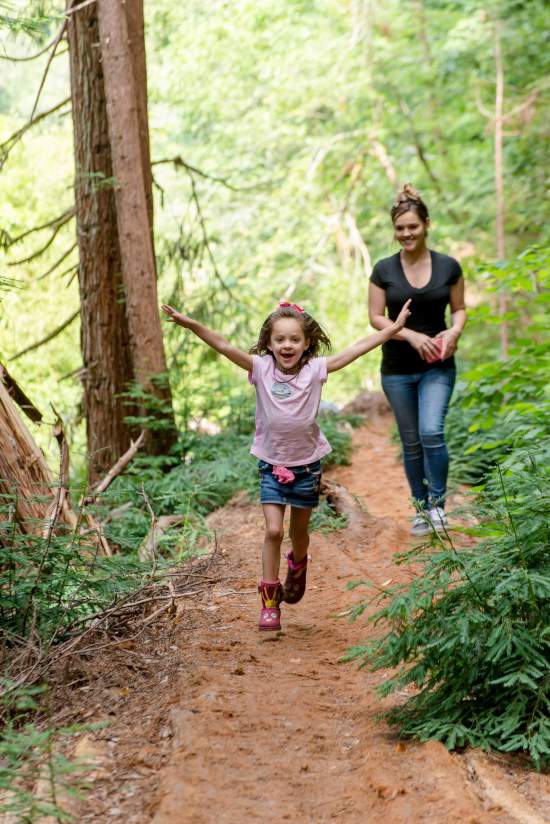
136 37
105 339
121 335
105 330
27 484
132 170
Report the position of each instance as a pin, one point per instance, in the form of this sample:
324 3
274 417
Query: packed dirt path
226 725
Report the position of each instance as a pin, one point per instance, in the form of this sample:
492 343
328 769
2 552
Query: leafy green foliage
48 583
501 405
16 23
469 634
28 754
326 519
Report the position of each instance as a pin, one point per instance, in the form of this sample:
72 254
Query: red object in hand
430 358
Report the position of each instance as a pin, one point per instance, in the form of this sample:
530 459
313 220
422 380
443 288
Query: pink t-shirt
287 432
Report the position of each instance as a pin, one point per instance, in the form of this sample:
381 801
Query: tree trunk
132 170
105 340
136 37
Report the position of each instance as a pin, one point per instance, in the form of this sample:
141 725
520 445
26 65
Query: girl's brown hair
319 341
409 200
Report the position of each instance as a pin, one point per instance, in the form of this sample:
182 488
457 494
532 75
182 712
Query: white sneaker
421 525
438 519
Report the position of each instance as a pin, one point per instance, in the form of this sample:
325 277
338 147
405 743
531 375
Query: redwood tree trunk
124 70
136 36
105 338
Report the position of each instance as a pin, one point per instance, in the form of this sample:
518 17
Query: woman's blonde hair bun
408 193
409 200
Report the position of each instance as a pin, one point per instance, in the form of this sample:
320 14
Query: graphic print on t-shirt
287 432
281 390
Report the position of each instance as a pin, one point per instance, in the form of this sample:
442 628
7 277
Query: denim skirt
302 492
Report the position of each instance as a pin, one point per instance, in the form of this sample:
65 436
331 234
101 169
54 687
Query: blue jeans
419 403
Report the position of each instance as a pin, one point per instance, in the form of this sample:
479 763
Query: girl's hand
176 317
449 342
423 344
401 318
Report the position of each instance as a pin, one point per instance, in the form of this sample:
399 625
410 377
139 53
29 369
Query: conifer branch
58 262
48 337
56 222
39 92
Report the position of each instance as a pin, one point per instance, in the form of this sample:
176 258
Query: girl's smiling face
288 342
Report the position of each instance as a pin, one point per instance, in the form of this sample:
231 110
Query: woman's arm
336 362
423 344
213 339
458 320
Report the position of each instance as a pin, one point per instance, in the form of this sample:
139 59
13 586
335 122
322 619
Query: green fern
471 632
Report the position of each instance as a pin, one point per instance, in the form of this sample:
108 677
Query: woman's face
410 231
288 342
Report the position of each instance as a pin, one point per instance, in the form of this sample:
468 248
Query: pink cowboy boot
295 584
270 618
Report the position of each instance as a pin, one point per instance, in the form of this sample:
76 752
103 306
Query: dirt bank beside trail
224 725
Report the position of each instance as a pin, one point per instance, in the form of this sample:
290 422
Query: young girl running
288 375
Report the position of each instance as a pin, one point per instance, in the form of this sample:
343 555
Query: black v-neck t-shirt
427 309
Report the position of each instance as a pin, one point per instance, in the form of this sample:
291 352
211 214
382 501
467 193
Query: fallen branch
62 493
119 467
163 523
48 337
123 610
163 608
16 393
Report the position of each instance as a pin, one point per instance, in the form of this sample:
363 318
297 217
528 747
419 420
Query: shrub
471 632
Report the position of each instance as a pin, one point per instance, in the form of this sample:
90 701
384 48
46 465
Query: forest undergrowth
61 596
470 633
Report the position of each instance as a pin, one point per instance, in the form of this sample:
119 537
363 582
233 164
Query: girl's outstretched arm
336 362
213 339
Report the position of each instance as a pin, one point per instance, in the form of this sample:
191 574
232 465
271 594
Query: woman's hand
423 344
449 342
401 318
176 317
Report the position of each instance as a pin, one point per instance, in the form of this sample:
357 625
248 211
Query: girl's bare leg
298 534
271 550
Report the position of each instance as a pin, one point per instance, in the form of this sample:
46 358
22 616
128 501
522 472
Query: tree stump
27 484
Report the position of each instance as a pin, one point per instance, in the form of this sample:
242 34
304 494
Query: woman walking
418 368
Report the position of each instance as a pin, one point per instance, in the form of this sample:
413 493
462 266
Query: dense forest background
278 138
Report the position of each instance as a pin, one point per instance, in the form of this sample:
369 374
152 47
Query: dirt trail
223 725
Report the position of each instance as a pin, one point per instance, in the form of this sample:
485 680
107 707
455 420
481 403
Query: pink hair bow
299 308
